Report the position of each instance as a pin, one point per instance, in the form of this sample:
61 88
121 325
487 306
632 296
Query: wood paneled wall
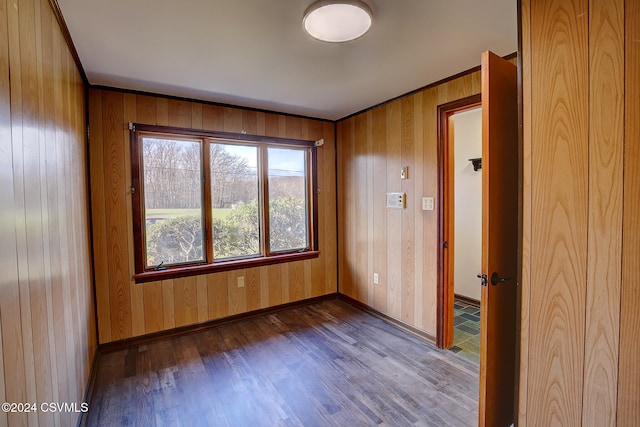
580 317
126 309
47 321
400 245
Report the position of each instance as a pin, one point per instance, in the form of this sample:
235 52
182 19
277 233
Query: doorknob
495 278
483 278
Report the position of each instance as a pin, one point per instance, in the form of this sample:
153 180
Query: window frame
145 273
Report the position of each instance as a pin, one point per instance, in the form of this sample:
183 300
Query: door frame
446 185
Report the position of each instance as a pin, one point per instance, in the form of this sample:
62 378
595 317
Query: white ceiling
254 53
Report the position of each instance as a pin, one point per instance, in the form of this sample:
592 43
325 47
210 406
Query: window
212 201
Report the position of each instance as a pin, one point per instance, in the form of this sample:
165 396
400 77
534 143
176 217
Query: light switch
404 173
427 203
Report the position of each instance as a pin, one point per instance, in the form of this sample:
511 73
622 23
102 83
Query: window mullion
263 177
206 196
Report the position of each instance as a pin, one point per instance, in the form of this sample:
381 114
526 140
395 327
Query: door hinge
445 245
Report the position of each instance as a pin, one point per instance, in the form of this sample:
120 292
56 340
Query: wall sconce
477 163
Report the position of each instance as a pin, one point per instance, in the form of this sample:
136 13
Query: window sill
194 270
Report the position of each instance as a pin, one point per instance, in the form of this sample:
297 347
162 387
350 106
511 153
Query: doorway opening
460 230
501 198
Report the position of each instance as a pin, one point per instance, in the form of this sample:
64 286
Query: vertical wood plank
264 286
370 289
99 222
379 135
275 283
459 88
416 174
168 305
250 122
12 346
32 297
330 245
39 271
408 214
185 305
260 123
196 115
360 217
394 216
115 189
162 111
315 132
232 120
145 109
629 369
252 284
341 207
559 216
525 289
179 113
296 281
307 278
202 298
68 248
293 127
136 292
606 144
212 117
60 262
349 216
237 296
153 320
8 273
271 125
217 295
22 137
284 281
430 231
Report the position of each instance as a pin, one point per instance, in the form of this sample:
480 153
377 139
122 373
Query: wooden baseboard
395 322
467 300
191 329
88 392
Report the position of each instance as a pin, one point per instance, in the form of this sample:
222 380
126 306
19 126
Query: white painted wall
468 203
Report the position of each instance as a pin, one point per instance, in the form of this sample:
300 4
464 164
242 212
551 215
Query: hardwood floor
327 364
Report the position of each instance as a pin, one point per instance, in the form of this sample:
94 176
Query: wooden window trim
143 274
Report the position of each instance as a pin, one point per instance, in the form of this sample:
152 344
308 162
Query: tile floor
466 335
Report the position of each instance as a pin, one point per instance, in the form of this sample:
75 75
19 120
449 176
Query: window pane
234 199
287 199
172 201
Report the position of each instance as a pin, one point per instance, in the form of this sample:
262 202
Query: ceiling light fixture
337 21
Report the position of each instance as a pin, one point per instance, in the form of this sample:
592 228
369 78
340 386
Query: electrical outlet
241 282
376 278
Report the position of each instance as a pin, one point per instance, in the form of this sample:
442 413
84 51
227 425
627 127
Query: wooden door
499 241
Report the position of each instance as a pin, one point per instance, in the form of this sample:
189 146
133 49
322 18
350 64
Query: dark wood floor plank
327 364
